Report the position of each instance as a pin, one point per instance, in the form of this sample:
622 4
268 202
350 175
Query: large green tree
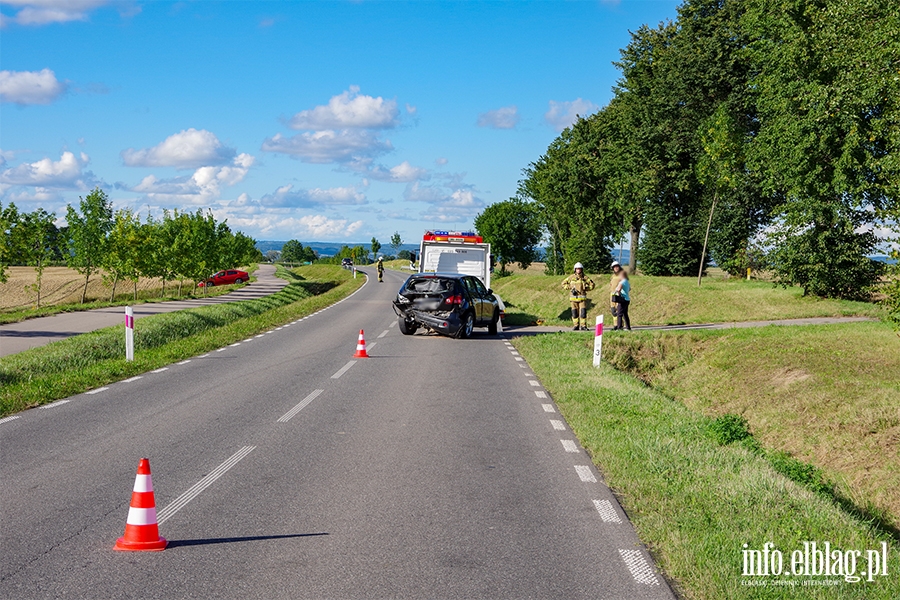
32 241
9 219
292 251
88 231
513 229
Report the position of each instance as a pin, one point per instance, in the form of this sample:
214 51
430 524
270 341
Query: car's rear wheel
407 328
210 284
467 327
239 280
492 326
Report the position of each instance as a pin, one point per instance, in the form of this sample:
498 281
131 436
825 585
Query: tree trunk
180 283
112 296
164 287
38 285
706 239
87 279
635 231
135 289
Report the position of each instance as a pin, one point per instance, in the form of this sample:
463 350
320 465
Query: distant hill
329 248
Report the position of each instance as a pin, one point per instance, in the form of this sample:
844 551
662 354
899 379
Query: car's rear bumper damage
446 323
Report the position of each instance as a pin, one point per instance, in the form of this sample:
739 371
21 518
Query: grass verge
671 301
80 363
694 500
126 298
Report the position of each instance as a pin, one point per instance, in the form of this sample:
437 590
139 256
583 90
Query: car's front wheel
210 284
238 280
468 326
407 327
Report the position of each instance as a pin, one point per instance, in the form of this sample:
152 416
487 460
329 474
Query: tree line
756 133
119 245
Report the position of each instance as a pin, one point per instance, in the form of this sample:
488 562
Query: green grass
828 395
670 300
123 299
80 363
693 500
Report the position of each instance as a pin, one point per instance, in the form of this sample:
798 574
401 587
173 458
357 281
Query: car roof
440 275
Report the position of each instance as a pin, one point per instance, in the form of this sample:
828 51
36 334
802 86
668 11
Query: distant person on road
380 267
613 283
622 297
578 285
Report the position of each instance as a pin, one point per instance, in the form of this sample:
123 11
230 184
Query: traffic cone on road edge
361 347
141 528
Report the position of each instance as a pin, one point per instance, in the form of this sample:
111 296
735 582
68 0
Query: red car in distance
226 277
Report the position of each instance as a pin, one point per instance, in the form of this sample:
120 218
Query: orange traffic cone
361 347
141 529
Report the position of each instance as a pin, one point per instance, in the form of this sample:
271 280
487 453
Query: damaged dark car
446 303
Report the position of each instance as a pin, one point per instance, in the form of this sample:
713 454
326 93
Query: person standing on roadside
613 284
622 296
379 266
578 285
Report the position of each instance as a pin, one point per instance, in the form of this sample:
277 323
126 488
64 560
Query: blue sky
332 121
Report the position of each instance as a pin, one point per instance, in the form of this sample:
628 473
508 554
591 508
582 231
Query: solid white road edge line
302 404
97 391
201 485
585 474
343 369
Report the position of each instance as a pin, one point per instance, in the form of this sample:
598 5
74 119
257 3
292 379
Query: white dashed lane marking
55 404
260 335
302 404
548 408
343 369
534 382
540 394
221 350
585 473
514 353
204 356
383 333
160 370
639 567
569 445
184 362
201 485
130 379
10 418
98 390
519 358
234 344
607 512
557 425
393 324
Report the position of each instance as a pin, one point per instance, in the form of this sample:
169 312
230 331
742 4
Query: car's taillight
457 299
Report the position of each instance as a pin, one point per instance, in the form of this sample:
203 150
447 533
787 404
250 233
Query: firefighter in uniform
380 267
613 284
578 286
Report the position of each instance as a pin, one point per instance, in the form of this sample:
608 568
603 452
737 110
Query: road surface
31 333
283 468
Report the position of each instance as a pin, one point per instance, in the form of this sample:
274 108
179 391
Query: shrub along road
16 337
285 469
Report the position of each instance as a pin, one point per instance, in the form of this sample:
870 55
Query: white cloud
329 146
506 117
42 12
287 197
411 110
30 87
402 173
441 161
202 187
457 206
67 173
348 110
188 149
562 114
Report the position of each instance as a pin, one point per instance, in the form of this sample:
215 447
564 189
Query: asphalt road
31 333
437 468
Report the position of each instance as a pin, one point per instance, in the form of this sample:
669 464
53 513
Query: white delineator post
598 340
354 272
129 334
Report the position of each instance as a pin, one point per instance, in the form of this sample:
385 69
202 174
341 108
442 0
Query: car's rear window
430 285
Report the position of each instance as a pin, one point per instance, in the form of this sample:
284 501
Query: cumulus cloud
329 146
506 117
457 204
441 161
402 173
287 197
66 173
188 149
348 110
30 87
42 12
202 187
562 114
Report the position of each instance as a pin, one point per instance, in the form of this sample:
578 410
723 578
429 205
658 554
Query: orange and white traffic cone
141 528
361 347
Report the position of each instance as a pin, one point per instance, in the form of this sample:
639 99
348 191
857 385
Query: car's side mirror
490 291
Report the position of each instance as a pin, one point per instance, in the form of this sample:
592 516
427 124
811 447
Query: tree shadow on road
228 540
